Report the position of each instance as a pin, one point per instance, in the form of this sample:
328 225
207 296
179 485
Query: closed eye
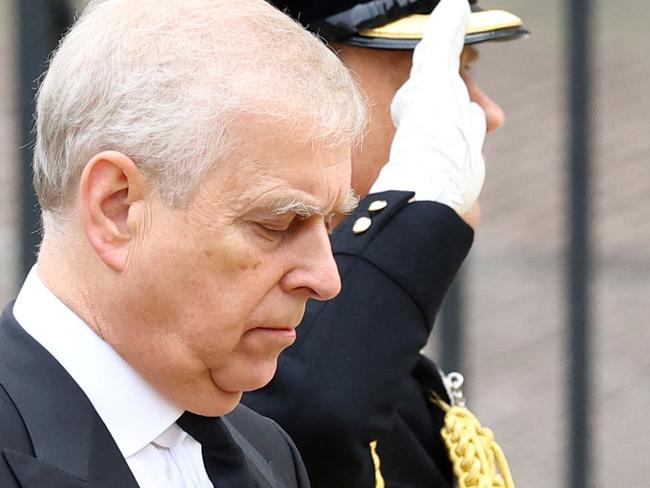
274 228
271 230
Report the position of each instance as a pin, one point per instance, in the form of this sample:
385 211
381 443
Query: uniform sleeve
337 388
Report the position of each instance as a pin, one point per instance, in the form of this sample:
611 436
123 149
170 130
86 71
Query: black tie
223 458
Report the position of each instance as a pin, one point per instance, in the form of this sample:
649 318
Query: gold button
361 225
378 206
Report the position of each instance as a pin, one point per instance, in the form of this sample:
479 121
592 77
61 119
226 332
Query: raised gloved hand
437 149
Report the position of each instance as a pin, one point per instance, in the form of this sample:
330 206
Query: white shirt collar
133 411
172 437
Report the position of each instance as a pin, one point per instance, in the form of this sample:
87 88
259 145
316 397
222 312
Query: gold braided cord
379 479
478 461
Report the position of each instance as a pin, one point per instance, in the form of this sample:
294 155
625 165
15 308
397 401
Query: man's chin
216 404
245 379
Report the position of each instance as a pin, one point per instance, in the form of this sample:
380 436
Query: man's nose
493 112
315 272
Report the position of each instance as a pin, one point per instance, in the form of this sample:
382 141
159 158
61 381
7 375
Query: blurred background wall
9 127
516 278
515 281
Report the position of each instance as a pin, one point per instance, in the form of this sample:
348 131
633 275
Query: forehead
282 161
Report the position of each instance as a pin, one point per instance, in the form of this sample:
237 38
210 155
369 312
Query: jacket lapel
259 467
31 472
72 446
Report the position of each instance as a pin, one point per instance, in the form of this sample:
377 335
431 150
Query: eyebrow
306 210
298 207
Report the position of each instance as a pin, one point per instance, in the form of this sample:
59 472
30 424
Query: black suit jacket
51 436
355 374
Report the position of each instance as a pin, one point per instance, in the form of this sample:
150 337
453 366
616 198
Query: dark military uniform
355 375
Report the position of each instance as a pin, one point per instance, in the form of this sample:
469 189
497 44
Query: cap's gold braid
477 459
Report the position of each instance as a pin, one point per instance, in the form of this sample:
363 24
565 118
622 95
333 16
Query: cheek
235 277
368 162
229 266
202 288
225 253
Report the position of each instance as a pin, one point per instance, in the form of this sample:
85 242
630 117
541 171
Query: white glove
437 150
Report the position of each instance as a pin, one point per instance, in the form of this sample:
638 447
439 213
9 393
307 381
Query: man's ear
110 184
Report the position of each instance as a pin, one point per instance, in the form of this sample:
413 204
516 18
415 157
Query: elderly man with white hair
189 155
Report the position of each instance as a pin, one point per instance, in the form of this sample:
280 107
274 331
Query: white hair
163 81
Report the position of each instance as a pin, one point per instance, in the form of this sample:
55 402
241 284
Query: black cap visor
405 33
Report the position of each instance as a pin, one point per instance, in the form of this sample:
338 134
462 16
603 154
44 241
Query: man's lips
287 332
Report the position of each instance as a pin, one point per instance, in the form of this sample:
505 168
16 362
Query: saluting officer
354 392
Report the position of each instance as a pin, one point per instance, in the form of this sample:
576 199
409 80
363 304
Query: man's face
381 73
225 281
